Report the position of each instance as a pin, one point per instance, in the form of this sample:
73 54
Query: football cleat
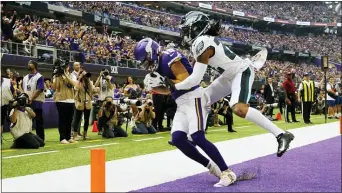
214 169
227 178
284 141
259 59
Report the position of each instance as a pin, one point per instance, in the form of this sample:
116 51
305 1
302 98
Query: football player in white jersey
237 75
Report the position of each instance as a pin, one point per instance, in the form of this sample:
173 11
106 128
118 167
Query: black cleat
232 131
284 141
170 143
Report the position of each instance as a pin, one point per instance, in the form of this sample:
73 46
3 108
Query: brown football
161 90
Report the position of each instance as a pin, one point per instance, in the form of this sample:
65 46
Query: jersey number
231 55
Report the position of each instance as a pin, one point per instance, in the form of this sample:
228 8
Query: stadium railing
48 54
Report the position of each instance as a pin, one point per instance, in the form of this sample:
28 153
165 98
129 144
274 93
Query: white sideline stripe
226 129
164 166
243 126
29 154
146 139
106 144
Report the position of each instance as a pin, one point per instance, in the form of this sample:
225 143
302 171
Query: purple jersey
164 68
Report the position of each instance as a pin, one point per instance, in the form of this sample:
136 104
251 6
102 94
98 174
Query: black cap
306 74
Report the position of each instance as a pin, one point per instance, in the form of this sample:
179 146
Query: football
161 90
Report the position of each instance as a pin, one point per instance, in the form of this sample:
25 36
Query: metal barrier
8 47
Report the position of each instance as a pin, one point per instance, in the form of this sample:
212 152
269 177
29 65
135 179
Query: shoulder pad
201 44
170 56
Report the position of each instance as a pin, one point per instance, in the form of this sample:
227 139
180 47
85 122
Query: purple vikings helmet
147 52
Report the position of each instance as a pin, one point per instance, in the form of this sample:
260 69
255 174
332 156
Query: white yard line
162 167
146 139
91 146
29 154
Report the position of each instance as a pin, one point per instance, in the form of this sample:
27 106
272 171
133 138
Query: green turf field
70 155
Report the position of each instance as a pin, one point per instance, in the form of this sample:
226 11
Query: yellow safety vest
308 92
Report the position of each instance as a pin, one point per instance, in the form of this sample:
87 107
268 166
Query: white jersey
223 60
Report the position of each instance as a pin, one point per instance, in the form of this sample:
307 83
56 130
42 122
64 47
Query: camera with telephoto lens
21 101
87 75
105 73
59 67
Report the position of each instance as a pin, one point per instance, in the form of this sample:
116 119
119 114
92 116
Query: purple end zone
312 168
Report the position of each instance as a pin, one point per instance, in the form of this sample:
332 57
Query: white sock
256 117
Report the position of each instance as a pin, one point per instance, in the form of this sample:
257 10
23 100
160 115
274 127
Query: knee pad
178 137
198 138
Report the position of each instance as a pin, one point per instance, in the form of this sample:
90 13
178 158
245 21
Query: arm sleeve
194 79
40 84
300 87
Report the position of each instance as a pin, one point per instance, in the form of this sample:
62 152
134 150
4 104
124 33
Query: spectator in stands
21 126
7 29
64 99
144 119
33 86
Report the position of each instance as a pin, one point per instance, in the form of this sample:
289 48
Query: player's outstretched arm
198 72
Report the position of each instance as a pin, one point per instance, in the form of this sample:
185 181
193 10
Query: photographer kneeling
21 124
108 120
144 120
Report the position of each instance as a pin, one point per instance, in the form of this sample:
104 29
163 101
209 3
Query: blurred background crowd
97 46
294 11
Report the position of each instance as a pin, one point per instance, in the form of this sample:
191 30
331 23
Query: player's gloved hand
169 83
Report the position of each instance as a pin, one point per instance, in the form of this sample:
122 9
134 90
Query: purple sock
210 149
180 140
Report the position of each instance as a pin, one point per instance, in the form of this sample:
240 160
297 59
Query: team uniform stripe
199 113
243 96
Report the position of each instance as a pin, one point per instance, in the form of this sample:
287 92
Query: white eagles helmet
152 80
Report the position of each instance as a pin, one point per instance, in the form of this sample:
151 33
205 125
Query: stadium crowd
324 44
75 36
293 11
